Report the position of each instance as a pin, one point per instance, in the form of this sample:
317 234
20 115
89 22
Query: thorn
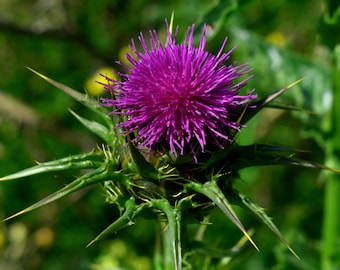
241 116
294 83
293 252
242 241
251 240
13 216
171 21
92 242
39 74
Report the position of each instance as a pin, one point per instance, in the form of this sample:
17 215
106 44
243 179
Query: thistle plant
169 128
179 94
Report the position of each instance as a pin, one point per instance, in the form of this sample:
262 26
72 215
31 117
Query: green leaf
262 154
235 158
219 155
99 175
245 202
100 130
82 161
87 101
123 221
256 106
144 168
211 190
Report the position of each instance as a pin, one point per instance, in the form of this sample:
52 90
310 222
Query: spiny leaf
84 99
288 107
102 131
245 202
123 221
262 154
213 192
93 177
236 157
82 161
71 92
256 106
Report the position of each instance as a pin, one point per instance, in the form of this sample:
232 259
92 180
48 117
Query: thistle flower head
179 94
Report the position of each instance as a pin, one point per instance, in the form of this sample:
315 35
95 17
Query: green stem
331 226
171 235
158 255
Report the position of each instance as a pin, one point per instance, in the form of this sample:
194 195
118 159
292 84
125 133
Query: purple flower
179 94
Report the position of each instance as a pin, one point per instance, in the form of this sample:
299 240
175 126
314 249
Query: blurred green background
70 40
